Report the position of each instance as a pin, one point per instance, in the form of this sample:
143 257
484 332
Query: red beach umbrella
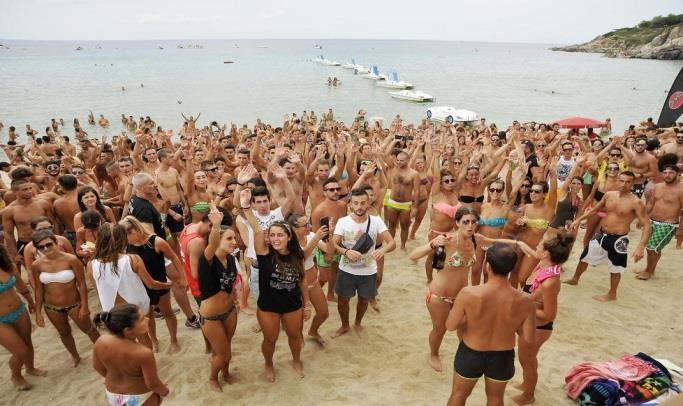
580 122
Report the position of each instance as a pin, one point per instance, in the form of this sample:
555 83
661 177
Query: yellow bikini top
540 224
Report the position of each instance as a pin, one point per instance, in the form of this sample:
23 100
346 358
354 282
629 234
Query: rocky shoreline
666 45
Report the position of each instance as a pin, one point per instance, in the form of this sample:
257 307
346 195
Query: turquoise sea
269 78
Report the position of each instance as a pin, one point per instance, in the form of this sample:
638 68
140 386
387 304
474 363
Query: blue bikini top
496 222
5 286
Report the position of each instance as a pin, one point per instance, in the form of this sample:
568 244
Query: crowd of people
283 222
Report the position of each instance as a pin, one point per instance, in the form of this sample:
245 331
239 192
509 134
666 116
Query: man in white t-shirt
358 271
565 163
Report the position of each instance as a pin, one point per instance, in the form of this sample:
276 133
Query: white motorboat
393 82
361 70
374 74
350 65
412 95
329 62
451 115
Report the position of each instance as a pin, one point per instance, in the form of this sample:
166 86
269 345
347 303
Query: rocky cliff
660 38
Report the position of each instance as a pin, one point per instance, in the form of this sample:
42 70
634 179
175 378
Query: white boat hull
394 85
412 96
451 115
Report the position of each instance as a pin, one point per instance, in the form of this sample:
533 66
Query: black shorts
496 365
71 236
155 295
20 247
348 284
173 225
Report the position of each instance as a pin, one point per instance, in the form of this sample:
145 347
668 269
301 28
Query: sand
387 364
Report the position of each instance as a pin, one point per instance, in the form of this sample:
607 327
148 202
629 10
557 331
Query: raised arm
215 217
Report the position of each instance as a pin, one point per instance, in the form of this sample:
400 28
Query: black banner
673 105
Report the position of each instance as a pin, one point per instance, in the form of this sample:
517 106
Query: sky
532 21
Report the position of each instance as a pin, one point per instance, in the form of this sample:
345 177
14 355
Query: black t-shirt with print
279 290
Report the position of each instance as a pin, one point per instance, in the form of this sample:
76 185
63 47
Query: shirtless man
663 206
191 123
643 164
67 147
243 160
487 317
403 202
675 148
49 180
333 209
66 206
317 173
295 174
168 180
611 240
213 180
19 214
149 162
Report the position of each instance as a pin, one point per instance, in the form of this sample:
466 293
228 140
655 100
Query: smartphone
325 221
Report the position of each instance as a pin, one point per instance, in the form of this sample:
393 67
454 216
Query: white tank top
125 283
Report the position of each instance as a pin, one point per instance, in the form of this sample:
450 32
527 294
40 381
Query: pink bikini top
446 208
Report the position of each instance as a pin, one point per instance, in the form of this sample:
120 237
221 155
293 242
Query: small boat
361 70
179 46
160 47
318 46
79 48
451 115
412 95
263 46
374 74
350 65
236 46
394 82
228 62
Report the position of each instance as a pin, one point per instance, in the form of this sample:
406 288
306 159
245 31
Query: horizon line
284 39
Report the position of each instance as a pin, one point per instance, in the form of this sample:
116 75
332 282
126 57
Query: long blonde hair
131 223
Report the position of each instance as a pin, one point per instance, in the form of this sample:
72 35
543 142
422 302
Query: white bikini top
65 276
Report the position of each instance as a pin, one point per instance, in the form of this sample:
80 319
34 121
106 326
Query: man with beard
49 180
643 164
401 205
663 205
334 210
358 270
611 241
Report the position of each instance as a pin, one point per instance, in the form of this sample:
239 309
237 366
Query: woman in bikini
15 324
309 240
444 206
218 270
31 254
422 165
472 184
570 201
128 367
61 290
494 216
442 290
89 199
534 221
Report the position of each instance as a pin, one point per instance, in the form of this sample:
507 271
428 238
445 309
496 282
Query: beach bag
365 242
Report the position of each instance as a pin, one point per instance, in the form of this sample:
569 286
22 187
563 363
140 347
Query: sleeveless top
124 283
153 260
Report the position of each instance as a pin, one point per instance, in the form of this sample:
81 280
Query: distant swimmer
103 121
336 82
142 85
123 88
180 102
329 81
91 118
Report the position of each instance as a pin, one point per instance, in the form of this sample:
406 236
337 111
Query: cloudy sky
539 21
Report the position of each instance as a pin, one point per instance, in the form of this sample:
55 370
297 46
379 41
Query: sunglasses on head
45 246
333 189
536 190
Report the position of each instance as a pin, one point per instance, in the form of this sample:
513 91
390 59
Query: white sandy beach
387 364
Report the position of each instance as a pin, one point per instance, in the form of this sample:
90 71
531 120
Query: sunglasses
52 167
542 145
536 190
615 155
613 168
45 246
214 169
457 162
447 181
497 190
77 173
333 189
525 185
468 222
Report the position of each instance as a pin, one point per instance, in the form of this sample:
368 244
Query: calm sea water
502 82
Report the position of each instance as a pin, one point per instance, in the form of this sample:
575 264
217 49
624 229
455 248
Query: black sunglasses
45 246
214 169
495 189
525 185
615 155
449 181
333 189
536 190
